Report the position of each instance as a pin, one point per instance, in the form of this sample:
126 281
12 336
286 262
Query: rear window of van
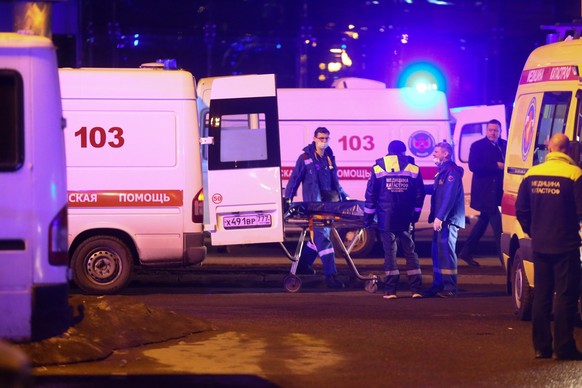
12 124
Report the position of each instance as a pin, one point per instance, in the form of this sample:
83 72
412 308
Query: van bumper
194 249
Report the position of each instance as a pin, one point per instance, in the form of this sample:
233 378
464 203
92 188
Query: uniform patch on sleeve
451 178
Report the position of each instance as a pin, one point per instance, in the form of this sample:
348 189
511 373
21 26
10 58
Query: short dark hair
319 130
496 122
396 147
446 147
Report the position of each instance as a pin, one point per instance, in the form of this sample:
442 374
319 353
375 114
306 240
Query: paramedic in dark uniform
447 213
317 172
486 161
549 209
395 194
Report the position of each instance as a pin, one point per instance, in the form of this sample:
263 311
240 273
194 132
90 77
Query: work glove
286 204
368 220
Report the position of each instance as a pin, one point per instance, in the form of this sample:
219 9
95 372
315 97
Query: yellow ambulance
548 101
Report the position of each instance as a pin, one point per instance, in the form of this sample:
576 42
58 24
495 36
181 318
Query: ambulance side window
245 132
12 128
242 139
470 133
553 115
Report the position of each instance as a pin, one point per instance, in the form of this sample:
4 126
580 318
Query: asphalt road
262 336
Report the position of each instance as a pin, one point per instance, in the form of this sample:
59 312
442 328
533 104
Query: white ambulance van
363 116
135 186
548 101
33 201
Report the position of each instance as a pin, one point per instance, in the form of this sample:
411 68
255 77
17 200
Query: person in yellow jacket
549 209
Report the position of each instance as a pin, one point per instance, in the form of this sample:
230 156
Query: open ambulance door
244 162
470 125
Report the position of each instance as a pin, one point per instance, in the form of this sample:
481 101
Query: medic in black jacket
395 194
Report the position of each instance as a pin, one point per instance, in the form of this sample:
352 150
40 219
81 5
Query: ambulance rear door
470 126
244 162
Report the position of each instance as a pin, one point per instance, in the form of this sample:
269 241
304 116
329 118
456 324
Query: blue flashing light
420 100
136 36
278 46
422 76
136 43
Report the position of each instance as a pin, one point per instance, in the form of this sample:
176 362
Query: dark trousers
559 274
389 242
321 246
485 218
444 259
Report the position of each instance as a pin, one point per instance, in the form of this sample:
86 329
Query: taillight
58 239
198 208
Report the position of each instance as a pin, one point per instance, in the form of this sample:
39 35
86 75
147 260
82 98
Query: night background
479 47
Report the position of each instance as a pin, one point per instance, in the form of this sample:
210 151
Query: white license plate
248 221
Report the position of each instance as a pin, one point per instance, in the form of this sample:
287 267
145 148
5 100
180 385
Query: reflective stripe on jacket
394 192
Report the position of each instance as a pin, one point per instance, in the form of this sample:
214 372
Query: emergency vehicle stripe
413 272
550 73
325 252
392 273
508 204
125 198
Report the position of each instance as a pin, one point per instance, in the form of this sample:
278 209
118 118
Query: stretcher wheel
292 283
371 286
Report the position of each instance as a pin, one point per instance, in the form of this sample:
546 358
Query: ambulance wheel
292 283
363 246
371 286
102 265
522 292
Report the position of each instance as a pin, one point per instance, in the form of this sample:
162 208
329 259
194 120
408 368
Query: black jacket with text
549 204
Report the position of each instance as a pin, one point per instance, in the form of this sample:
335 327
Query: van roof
555 54
138 84
362 104
16 40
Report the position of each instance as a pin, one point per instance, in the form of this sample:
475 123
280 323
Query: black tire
364 246
102 265
521 291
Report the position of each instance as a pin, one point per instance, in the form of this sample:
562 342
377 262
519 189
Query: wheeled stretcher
333 215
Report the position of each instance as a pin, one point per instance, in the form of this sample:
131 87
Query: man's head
559 143
321 138
493 130
396 147
442 152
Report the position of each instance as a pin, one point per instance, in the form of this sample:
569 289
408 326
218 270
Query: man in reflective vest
395 194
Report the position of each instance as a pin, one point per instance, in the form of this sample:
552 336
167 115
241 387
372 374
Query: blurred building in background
472 49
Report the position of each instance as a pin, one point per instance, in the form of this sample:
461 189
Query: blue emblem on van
421 144
528 129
